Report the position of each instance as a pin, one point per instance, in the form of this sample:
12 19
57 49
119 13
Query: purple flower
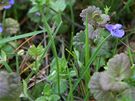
1 29
11 2
115 30
37 14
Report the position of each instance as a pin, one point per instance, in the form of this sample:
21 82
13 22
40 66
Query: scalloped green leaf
79 40
97 91
95 16
59 5
9 82
92 12
119 66
107 85
11 26
129 93
110 83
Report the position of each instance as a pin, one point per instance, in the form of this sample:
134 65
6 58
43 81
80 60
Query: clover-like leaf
119 66
36 52
62 65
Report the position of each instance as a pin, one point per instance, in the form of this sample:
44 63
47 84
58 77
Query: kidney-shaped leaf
109 83
119 66
97 91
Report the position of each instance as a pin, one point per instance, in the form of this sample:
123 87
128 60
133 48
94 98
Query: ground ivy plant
111 84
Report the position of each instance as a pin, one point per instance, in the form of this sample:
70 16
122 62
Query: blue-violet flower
115 30
11 2
1 29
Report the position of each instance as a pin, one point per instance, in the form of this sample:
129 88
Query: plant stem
49 31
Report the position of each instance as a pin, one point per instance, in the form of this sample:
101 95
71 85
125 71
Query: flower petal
118 33
109 27
7 7
117 26
115 30
11 2
1 29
